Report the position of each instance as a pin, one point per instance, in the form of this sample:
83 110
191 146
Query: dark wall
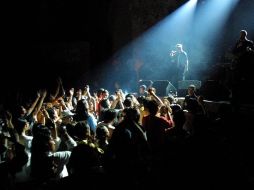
55 36
64 38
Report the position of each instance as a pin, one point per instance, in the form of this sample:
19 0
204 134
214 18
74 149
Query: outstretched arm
151 91
39 105
31 108
59 90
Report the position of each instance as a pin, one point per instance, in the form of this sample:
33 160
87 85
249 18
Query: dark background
44 39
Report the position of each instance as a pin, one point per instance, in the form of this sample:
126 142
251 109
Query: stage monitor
164 87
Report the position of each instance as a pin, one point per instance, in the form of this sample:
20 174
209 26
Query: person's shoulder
184 53
250 42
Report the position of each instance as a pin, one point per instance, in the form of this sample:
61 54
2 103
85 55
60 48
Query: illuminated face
23 110
141 90
191 91
27 126
163 110
105 94
179 47
91 107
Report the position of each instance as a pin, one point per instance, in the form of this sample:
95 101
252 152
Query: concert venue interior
123 44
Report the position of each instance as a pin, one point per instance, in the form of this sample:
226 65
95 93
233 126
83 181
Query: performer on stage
242 64
243 46
180 57
243 53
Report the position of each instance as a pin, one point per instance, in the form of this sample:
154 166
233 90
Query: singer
180 58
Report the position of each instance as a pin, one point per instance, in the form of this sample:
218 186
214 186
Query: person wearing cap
67 121
67 117
191 99
67 113
143 90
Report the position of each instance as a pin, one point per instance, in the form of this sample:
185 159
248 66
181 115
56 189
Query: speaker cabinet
163 88
213 90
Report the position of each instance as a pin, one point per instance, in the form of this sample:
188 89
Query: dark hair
51 113
129 96
244 31
141 99
20 125
42 166
81 110
175 108
19 160
131 114
41 137
127 102
83 157
101 132
111 98
170 98
109 115
152 106
82 130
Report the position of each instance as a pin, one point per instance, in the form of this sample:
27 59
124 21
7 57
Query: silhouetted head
84 157
179 47
243 34
191 89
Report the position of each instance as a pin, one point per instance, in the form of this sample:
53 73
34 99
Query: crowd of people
135 140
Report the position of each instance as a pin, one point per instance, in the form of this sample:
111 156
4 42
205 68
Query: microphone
172 53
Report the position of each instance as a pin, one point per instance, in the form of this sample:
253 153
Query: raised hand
71 91
172 53
44 93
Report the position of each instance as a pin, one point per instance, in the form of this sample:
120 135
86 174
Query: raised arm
59 90
69 101
38 106
90 98
31 108
118 99
151 91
